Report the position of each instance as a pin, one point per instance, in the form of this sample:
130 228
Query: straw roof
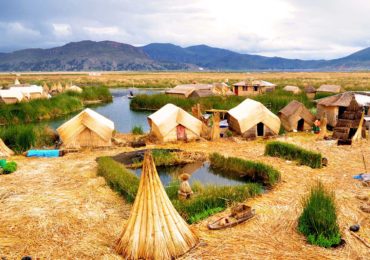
11 93
16 82
154 230
75 89
293 112
260 83
293 89
250 112
329 88
31 89
4 150
344 99
170 116
87 119
310 89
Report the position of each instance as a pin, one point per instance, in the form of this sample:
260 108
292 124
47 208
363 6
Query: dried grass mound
154 230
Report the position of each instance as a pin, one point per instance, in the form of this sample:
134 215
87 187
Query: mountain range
109 56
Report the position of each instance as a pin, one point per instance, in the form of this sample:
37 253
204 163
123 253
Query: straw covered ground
59 209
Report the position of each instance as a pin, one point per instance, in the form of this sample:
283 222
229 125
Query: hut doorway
236 91
260 129
300 125
341 111
181 133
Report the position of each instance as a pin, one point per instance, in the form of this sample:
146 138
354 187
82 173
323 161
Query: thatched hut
87 129
251 119
334 106
154 230
9 96
295 116
75 88
350 123
329 89
252 87
30 91
292 89
5 151
171 123
310 92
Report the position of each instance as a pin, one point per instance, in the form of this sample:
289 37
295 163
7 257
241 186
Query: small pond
199 171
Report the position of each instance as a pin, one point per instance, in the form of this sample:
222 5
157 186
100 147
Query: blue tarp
43 153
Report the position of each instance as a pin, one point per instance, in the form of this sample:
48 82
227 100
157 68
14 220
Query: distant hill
109 55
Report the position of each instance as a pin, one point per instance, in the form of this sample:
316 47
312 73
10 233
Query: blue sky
307 29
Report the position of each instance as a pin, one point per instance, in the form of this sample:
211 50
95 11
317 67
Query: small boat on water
130 95
239 214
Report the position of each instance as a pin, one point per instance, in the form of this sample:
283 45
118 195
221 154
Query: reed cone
323 124
154 230
215 132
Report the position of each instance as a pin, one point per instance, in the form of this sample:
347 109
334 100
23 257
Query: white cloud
106 31
61 29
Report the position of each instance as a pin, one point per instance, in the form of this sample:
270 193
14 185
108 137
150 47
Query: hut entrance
300 124
181 133
352 132
341 111
236 90
260 129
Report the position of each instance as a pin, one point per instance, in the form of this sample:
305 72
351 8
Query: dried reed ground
59 209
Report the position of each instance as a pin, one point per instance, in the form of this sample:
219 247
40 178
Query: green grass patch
21 138
120 179
207 200
137 130
254 171
319 95
295 153
318 221
10 167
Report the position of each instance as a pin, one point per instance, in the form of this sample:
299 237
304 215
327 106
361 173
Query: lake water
118 111
200 172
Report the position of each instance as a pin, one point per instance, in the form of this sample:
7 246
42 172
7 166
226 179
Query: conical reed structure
155 230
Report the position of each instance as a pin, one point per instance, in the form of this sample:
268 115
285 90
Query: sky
304 29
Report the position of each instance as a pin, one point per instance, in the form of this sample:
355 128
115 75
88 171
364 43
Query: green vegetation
163 157
118 178
45 109
137 130
21 138
10 167
255 171
323 95
206 200
274 101
294 152
318 221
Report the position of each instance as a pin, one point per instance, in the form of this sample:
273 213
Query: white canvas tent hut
171 123
4 150
87 129
251 119
9 96
30 91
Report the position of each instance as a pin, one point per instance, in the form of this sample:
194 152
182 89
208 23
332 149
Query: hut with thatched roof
292 89
296 117
87 129
252 87
310 92
251 119
329 89
334 106
351 124
75 88
154 230
171 123
5 151
10 96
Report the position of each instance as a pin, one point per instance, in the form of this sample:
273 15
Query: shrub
323 95
118 178
207 199
137 130
318 221
293 152
255 171
10 167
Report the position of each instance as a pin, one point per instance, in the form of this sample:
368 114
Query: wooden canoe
229 221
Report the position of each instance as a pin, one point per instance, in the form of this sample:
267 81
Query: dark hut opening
300 124
260 129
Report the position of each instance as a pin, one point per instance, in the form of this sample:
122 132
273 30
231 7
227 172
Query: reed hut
310 92
252 87
75 88
45 88
292 89
154 230
171 123
251 119
87 129
350 123
334 106
9 96
296 117
5 151
30 91
329 89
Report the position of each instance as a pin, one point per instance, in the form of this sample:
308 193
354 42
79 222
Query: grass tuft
318 221
294 152
137 130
